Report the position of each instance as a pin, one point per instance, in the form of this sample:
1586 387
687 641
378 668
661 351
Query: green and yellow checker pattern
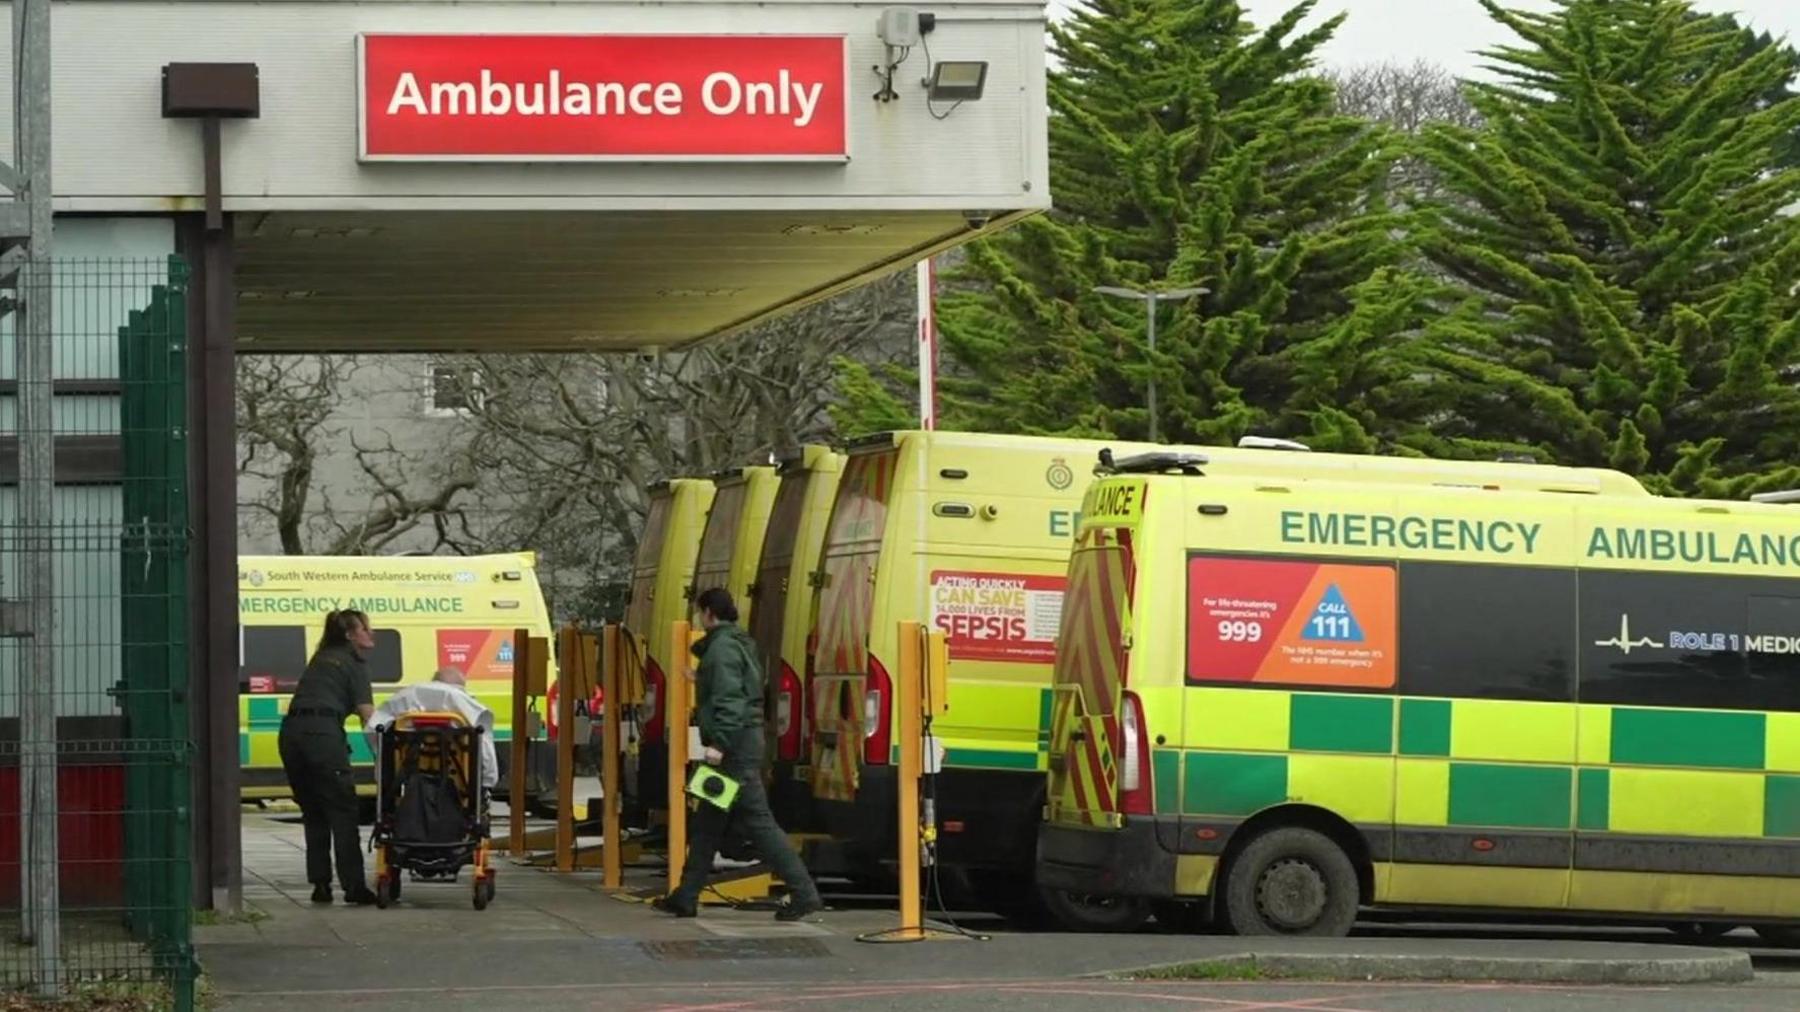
1566 788
259 734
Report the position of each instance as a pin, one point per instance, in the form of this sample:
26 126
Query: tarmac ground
552 942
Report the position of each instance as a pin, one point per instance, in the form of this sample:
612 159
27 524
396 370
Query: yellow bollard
676 717
919 681
612 865
910 678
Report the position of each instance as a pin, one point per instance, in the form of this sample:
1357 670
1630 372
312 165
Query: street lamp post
1150 300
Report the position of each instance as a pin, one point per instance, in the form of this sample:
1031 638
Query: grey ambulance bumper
1106 862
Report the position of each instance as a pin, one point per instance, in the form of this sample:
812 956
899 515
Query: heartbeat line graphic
1624 641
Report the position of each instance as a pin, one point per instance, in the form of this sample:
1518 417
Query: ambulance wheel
1095 914
1782 936
1291 881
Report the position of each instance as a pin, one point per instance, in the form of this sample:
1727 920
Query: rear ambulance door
760 485
1091 659
713 569
846 596
642 607
769 614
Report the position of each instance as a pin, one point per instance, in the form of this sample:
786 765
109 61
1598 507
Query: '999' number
1240 632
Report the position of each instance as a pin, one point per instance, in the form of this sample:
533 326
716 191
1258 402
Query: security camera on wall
899 27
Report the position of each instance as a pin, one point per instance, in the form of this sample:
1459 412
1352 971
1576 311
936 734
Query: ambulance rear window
649 550
721 527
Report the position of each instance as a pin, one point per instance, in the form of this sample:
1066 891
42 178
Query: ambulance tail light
787 715
1135 789
654 687
878 714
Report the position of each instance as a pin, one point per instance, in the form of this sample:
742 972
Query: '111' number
1331 626
1240 632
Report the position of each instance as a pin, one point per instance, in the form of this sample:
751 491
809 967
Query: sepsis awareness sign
526 98
1291 622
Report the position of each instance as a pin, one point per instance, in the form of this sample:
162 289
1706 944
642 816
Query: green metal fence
123 753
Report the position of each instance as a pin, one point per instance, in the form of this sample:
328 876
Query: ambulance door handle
1080 735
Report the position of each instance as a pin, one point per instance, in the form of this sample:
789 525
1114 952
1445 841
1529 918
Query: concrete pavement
559 942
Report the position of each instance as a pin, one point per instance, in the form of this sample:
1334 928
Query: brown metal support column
212 570
209 92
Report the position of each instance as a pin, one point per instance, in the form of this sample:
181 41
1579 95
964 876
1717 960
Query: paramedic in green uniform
315 752
729 681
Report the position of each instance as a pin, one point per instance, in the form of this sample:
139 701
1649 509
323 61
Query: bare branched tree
1405 97
572 441
293 425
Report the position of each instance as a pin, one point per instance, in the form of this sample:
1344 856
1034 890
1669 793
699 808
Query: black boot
364 897
798 910
673 907
321 894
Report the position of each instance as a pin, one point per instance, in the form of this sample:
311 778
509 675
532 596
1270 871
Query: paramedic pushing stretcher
315 753
730 704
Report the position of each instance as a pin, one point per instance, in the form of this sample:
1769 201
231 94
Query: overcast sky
1449 32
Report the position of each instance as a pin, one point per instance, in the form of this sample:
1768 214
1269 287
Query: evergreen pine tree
1623 227
1187 150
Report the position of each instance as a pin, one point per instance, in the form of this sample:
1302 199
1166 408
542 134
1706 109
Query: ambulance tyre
1291 881
1095 914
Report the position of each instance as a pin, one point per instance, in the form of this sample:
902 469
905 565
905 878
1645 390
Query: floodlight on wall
956 81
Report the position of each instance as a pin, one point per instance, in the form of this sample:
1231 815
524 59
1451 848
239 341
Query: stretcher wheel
484 893
385 891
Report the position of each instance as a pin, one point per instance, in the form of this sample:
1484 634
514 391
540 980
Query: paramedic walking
316 754
729 683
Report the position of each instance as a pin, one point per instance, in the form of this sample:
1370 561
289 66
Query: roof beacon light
1271 443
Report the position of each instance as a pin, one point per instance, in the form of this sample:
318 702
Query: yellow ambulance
427 612
661 575
781 616
732 541
1291 696
969 533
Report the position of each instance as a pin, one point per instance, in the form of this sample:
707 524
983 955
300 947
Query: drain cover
737 948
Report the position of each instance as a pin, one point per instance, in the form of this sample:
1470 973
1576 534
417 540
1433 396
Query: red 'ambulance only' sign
522 98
